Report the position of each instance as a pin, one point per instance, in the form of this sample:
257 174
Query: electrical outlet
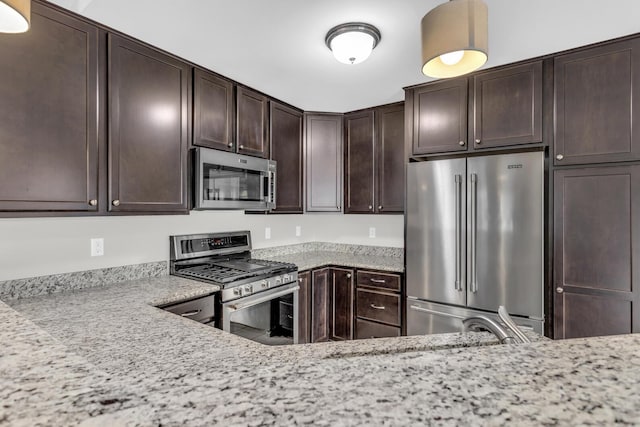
298 231
97 247
372 232
267 233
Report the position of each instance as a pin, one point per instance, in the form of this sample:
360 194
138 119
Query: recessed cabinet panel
213 111
597 106
597 240
323 152
321 286
49 115
252 123
359 162
440 117
304 307
286 150
342 302
507 106
148 95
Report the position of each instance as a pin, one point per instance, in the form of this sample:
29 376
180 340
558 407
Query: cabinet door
286 149
49 115
342 304
304 307
148 101
323 152
440 117
597 239
320 303
213 111
359 157
390 165
252 110
507 106
597 104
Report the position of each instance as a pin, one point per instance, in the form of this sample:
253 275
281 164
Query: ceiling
277 46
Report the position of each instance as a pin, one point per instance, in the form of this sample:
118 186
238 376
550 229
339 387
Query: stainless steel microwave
225 180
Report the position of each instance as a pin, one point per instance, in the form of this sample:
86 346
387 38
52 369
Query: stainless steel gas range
259 298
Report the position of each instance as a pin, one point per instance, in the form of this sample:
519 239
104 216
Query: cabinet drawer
200 309
366 329
379 280
378 306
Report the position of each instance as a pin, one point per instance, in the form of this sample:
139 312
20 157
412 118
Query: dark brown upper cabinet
390 158
440 117
213 111
597 251
285 134
507 106
148 128
252 123
597 104
374 162
359 162
49 115
323 162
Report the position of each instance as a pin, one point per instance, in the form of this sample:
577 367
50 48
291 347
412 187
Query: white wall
41 246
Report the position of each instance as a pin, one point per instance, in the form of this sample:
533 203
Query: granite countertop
105 356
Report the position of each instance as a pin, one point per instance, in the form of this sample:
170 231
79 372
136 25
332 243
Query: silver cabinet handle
461 143
478 141
458 219
289 316
241 147
378 307
370 207
474 231
190 313
230 144
116 202
559 289
300 279
559 157
93 202
348 275
378 280
380 207
437 313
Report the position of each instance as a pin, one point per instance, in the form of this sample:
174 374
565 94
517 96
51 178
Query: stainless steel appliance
232 181
474 240
259 298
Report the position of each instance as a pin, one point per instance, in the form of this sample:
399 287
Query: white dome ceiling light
455 38
353 42
15 16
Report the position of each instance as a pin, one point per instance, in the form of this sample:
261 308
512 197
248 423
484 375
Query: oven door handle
260 298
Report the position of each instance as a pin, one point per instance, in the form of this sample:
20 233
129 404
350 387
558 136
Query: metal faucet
481 323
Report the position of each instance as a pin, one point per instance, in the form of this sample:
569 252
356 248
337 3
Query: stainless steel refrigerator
474 240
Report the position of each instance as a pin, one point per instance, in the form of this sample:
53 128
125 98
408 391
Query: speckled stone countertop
109 344
312 255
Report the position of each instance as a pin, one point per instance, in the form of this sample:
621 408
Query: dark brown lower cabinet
320 301
342 304
367 329
304 307
597 251
378 304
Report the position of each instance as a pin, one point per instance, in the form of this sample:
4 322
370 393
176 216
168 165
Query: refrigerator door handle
438 313
474 231
458 180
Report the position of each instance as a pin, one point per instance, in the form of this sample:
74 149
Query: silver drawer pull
378 307
378 280
289 316
190 313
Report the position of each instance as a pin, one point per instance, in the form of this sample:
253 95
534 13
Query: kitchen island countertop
106 356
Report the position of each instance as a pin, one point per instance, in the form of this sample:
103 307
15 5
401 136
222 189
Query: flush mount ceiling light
15 16
455 38
352 43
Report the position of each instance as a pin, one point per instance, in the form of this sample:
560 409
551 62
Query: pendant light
15 16
455 38
352 43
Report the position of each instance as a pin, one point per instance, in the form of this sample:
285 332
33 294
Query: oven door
233 181
269 317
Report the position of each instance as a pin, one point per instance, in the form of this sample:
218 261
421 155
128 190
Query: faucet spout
483 323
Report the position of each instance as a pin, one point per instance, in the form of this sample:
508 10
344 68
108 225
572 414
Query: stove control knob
264 284
278 280
237 292
248 290
286 278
